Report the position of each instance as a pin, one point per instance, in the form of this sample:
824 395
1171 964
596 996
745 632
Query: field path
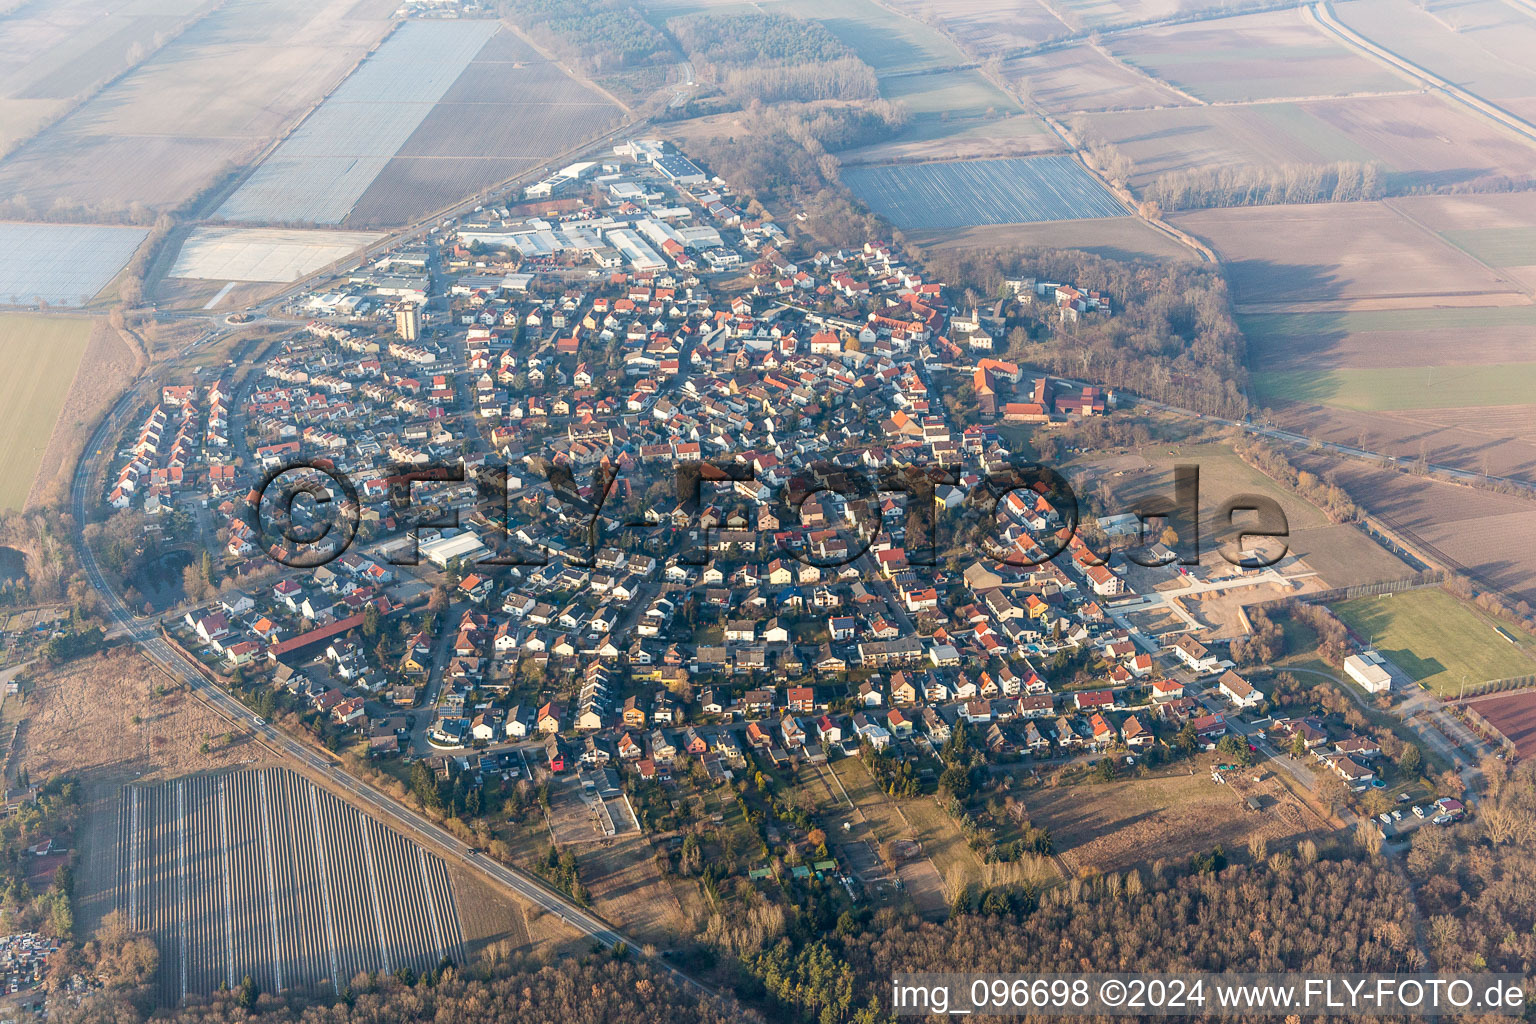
1322 15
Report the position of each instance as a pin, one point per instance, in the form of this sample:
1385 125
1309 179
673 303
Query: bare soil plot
1500 440
571 820
1120 825
191 293
1222 476
938 138
209 99
628 889
1346 557
1332 338
1269 55
1081 77
494 925
1338 251
1419 138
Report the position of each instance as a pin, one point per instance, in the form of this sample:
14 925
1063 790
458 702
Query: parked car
1442 819
1397 815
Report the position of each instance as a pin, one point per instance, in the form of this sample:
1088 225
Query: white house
1366 669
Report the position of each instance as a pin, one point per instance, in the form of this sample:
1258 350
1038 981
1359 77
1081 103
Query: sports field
965 193
39 355
1436 639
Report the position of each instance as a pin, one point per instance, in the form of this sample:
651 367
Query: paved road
144 634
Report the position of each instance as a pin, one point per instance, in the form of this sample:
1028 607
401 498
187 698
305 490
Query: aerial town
694 512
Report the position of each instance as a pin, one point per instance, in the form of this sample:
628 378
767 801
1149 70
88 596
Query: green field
1282 325
953 94
1438 640
1499 247
42 353
1405 387
883 39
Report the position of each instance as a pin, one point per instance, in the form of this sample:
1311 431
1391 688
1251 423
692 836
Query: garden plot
61 264
263 254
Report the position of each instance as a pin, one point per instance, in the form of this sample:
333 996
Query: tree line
1200 188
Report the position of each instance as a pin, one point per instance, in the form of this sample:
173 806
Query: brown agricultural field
1222 476
511 111
1492 536
1121 238
973 138
628 889
1499 228
1270 55
1340 252
55 55
1498 439
212 97
1419 138
1484 46
1082 77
